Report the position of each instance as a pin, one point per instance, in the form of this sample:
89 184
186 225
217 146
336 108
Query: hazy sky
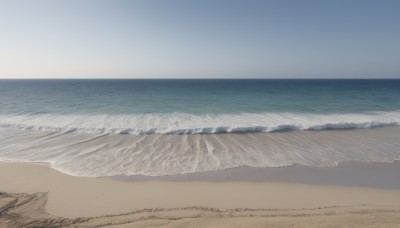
199 39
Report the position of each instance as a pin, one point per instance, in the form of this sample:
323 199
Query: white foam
156 154
182 123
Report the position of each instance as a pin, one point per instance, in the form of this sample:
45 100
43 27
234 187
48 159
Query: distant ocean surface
197 106
117 108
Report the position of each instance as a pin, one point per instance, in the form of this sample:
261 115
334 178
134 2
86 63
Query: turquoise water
197 96
197 106
166 127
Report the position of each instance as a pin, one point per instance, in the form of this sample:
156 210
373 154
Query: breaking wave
183 123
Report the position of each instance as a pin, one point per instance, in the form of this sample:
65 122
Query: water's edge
351 174
99 155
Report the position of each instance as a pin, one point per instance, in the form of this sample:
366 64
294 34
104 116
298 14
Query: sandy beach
179 113
36 195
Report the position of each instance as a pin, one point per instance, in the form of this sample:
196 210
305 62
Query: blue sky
199 39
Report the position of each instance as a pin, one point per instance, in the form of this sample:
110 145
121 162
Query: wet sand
351 174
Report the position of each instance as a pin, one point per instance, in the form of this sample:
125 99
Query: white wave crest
183 123
157 155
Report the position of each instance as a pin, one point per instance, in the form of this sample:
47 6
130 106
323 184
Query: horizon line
200 78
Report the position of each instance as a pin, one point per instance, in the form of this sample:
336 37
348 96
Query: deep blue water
197 96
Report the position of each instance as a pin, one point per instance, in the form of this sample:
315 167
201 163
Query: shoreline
379 175
112 155
102 196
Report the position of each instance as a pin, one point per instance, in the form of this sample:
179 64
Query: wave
99 155
183 123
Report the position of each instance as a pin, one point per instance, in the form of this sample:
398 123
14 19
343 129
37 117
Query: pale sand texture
83 197
27 210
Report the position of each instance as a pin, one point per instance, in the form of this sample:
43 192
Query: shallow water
166 127
157 154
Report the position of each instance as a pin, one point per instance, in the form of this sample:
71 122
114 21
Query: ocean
166 127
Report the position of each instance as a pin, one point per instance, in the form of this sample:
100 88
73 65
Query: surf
185 123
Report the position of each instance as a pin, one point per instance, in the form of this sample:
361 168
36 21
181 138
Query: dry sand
36 195
28 210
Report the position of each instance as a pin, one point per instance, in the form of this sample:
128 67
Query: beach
80 201
230 153
179 113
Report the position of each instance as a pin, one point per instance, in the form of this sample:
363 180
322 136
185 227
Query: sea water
35 114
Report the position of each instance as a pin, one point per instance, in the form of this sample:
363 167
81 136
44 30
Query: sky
199 39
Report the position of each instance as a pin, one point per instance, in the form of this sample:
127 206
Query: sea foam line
183 123
157 155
